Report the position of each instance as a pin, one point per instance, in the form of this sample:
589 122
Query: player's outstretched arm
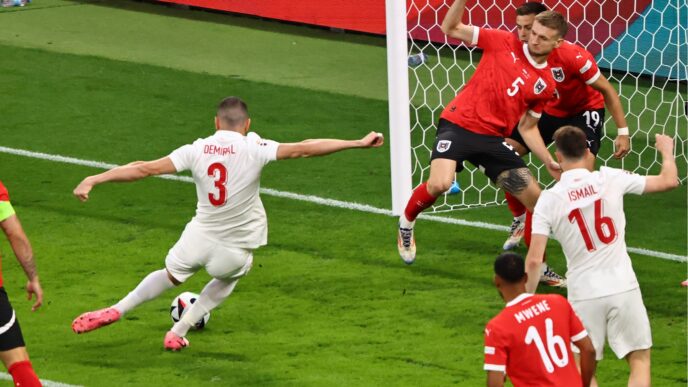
536 252
531 135
24 253
321 147
131 172
668 176
588 364
622 142
452 25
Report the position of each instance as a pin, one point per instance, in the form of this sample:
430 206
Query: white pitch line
46 383
317 200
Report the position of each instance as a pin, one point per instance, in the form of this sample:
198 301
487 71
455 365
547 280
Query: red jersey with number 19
573 69
506 84
530 341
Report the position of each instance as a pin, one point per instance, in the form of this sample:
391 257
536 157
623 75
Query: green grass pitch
328 301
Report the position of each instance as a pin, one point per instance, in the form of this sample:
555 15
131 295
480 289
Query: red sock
420 200
23 374
515 205
528 232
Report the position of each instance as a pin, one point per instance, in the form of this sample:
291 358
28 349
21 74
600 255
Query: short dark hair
571 142
553 20
530 8
510 267
232 111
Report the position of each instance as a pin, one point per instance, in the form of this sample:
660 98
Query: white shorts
194 250
621 318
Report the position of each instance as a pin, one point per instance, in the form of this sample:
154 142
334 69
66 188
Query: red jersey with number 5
530 341
506 84
573 69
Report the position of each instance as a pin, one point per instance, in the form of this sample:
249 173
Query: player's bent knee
13 355
515 181
174 281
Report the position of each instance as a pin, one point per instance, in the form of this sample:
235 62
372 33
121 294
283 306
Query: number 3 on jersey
219 173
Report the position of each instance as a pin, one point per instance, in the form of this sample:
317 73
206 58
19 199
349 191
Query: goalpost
640 46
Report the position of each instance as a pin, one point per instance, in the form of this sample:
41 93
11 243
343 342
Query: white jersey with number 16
585 213
226 168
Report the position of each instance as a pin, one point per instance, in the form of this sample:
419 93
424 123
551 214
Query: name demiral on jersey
218 150
532 311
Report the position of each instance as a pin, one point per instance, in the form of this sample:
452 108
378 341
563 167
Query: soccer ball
180 305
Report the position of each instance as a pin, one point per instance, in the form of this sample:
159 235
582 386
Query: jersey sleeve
541 222
182 157
6 209
585 66
628 182
491 39
495 349
262 149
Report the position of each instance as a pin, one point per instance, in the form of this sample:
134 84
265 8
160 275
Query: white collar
227 134
518 299
573 174
532 61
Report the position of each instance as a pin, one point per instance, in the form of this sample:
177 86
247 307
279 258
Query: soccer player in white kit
584 211
230 220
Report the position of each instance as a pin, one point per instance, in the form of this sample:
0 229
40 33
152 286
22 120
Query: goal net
640 46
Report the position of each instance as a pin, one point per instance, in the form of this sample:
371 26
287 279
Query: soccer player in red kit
582 93
12 348
529 341
511 83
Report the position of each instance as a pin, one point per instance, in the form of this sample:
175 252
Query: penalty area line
317 200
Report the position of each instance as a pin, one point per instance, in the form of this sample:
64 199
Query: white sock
152 286
212 295
405 223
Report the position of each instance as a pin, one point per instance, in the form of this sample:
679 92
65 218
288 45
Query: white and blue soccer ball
181 304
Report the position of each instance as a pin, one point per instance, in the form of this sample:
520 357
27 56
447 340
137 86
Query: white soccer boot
518 227
549 277
406 243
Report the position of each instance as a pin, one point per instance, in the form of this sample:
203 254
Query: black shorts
10 333
591 121
490 154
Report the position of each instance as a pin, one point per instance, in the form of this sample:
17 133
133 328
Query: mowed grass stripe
316 199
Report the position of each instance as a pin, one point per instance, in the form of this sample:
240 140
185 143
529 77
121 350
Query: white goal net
640 46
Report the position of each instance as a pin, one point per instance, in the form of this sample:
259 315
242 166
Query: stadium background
328 302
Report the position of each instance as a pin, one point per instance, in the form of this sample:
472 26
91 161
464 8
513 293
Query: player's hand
33 287
372 139
554 169
664 144
622 145
82 190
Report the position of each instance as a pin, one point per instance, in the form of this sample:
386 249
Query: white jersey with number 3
226 168
585 213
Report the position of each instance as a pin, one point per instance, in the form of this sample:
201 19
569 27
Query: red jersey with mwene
573 69
506 84
530 341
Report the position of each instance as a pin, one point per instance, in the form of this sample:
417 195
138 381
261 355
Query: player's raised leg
151 287
442 172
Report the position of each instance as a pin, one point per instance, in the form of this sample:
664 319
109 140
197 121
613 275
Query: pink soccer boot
174 342
93 320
